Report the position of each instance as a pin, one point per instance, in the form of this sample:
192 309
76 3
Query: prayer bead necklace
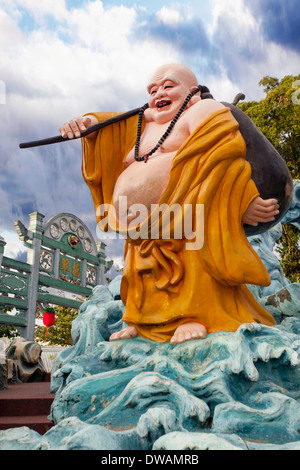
145 157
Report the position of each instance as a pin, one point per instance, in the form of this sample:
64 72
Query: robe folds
165 282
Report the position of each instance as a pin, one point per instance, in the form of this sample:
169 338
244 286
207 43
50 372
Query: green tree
278 117
8 331
290 253
60 333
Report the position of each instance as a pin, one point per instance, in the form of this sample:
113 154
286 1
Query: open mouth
163 104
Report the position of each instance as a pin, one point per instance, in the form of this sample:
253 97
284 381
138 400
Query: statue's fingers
248 221
74 125
68 132
85 124
268 203
264 214
268 209
264 219
63 131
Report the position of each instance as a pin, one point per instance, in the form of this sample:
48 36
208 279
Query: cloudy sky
64 58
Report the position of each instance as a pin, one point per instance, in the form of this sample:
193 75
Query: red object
49 318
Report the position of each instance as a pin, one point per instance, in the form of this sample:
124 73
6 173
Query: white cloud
98 27
222 87
14 247
10 33
100 67
169 16
239 15
118 262
89 60
246 56
92 58
39 10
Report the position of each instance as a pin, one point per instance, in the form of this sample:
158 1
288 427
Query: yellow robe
165 284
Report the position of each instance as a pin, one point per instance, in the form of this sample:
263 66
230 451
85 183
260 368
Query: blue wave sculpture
229 391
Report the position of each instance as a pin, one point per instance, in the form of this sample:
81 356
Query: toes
180 338
174 340
113 337
189 334
200 334
129 332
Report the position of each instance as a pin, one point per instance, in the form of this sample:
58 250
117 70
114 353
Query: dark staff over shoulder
269 171
58 138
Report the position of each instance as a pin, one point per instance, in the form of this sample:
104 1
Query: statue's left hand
261 210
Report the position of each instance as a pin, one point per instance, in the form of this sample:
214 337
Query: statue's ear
194 88
196 97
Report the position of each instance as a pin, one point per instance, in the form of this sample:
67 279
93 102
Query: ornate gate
64 264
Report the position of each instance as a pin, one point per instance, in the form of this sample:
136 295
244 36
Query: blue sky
64 58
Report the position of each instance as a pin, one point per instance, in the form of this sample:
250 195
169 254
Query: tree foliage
278 117
290 253
8 331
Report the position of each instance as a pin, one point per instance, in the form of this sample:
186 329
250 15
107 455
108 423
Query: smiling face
168 89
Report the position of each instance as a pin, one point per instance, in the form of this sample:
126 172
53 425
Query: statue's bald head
168 89
178 73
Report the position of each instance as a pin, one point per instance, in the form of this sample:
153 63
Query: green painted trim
53 299
37 235
13 290
64 241
14 302
12 263
13 273
63 285
11 320
47 242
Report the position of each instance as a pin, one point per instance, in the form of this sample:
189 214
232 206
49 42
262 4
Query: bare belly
142 184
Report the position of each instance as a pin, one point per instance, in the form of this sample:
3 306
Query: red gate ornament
49 318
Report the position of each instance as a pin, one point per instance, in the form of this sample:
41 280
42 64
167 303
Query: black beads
145 158
139 132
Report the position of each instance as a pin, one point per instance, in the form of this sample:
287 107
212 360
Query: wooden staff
57 139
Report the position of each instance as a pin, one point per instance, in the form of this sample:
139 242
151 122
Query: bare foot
128 332
189 331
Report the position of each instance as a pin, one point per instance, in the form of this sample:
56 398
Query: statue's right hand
75 127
